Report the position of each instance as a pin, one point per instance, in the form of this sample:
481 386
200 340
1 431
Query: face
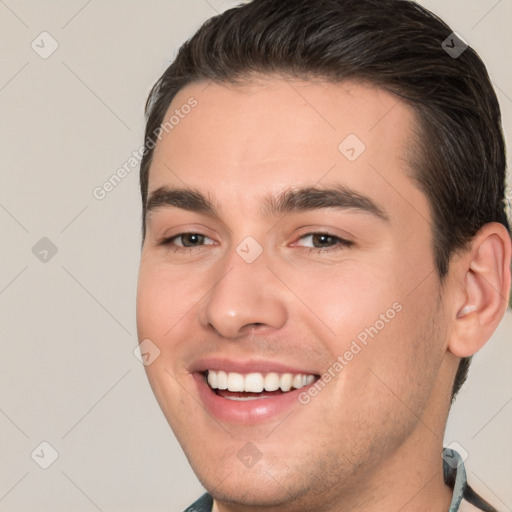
287 278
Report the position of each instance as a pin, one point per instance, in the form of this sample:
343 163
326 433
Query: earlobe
484 272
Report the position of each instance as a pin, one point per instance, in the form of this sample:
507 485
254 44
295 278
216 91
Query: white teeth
235 382
245 398
271 381
254 382
257 382
286 382
212 379
222 380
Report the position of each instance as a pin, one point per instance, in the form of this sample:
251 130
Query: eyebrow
186 199
289 201
313 198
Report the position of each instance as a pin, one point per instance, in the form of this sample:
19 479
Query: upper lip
247 366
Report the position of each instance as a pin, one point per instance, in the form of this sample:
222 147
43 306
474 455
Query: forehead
273 133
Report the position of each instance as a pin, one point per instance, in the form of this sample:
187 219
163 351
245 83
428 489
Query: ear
482 277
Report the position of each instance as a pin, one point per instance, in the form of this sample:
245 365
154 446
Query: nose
245 298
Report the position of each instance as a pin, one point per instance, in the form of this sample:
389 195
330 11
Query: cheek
341 302
161 311
162 308
153 307
162 300
375 315
400 364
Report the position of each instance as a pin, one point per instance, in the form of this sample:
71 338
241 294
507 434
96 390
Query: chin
251 488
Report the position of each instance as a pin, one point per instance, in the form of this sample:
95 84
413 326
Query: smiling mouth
255 386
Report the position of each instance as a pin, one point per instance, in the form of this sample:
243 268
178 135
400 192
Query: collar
454 476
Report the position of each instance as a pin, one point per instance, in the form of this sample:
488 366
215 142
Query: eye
188 240
325 241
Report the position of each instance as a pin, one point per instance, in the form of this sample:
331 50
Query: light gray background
68 375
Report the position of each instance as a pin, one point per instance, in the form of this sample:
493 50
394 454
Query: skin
372 438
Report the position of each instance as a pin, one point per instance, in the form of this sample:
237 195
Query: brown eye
191 239
323 240
187 241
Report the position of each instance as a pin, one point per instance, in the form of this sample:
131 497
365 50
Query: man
325 248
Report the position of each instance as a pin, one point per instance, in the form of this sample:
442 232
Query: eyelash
168 242
340 242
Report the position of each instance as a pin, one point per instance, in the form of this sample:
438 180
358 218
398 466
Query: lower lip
245 412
